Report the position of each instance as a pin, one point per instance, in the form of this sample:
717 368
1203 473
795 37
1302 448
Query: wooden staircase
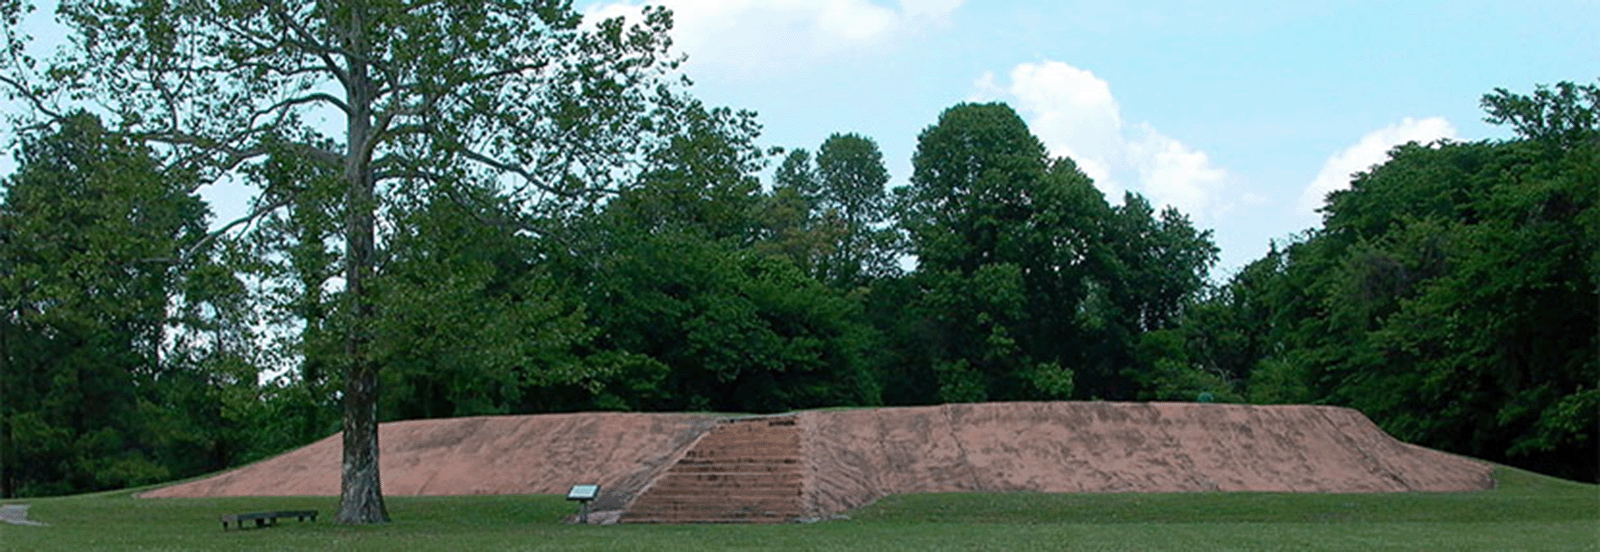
744 471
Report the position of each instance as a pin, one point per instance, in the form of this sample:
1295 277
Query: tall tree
994 229
425 89
851 188
790 226
1033 285
796 172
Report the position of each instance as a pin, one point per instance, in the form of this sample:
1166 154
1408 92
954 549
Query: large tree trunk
360 487
361 492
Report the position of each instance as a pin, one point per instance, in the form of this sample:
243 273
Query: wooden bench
264 519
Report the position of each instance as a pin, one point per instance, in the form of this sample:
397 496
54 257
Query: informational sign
583 493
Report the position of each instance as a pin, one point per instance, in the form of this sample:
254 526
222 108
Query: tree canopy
1451 294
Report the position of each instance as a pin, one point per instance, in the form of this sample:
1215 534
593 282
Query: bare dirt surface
852 457
857 456
544 454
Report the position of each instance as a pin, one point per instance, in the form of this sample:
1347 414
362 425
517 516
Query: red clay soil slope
856 456
543 454
849 458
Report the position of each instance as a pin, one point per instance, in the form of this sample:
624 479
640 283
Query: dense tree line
1450 293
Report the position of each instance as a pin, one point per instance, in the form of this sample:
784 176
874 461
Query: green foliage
1165 372
1451 294
737 331
1566 115
851 195
526 214
690 279
468 321
293 251
831 218
88 227
790 227
1033 287
1279 380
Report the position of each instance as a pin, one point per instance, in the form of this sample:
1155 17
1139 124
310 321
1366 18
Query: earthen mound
849 458
854 457
543 454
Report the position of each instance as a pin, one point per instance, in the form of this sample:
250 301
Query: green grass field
1525 512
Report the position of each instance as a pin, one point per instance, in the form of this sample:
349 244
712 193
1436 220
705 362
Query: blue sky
1241 114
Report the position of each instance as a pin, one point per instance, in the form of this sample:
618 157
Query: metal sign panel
583 492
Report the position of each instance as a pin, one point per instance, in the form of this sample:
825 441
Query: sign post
583 494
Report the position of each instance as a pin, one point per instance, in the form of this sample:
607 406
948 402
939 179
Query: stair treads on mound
745 471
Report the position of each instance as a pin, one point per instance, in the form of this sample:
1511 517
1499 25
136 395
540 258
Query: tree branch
235 155
309 41
31 97
212 236
323 97
470 79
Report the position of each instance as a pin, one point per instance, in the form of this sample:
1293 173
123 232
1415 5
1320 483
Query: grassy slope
1526 512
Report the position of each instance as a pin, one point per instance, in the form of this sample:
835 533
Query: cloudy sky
1241 114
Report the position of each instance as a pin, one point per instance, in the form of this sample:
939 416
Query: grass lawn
1526 512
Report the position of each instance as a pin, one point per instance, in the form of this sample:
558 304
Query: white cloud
1075 114
1371 149
1171 173
751 35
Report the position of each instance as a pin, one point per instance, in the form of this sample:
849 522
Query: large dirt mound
852 457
